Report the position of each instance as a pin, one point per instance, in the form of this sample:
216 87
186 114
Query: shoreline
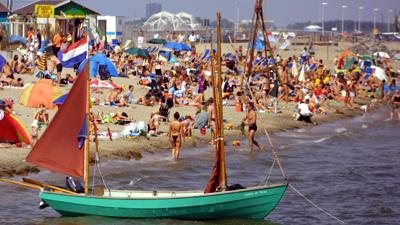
282 122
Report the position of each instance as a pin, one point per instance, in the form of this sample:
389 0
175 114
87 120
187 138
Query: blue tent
95 62
3 61
177 46
16 39
60 100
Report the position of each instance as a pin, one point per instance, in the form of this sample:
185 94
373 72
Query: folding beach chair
203 57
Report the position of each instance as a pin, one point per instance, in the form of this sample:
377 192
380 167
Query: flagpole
87 141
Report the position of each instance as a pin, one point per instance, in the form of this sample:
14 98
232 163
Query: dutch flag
74 54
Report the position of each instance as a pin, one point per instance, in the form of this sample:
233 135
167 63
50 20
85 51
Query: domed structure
168 21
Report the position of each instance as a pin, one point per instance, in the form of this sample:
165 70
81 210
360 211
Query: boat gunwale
176 197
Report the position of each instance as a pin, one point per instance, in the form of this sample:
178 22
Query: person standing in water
395 105
175 136
251 120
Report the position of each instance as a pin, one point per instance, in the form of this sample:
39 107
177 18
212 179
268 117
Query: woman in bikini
41 118
175 136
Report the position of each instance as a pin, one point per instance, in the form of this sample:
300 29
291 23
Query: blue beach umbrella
177 46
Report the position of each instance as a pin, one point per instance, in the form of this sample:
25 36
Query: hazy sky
283 12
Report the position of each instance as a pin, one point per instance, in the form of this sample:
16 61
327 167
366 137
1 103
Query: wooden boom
41 184
23 184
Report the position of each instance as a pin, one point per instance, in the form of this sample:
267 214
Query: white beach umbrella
382 55
379 73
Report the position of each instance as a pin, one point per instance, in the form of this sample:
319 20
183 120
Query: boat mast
87 139
218 109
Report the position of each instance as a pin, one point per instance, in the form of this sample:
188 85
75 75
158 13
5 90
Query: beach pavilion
68 16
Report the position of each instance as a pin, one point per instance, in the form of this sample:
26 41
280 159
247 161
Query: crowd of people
183 80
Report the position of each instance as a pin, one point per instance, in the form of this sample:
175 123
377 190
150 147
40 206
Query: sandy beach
12 158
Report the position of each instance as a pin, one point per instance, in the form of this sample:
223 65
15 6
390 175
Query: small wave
301 130
322 139
364 126
133 182
340 130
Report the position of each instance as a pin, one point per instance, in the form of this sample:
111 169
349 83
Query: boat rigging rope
276 158
94 175
101 174
97 166
315 205
269 172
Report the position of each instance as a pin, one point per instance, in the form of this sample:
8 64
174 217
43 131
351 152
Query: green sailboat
64 155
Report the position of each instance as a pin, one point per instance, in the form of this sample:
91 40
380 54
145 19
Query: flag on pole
75 53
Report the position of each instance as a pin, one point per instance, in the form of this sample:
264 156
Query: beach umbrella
345 54
138 52
102 84
379 73
157 41
382 55
177 46
366 58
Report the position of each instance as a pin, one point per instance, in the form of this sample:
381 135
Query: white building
112 26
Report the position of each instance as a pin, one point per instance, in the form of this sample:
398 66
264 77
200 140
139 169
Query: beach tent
60 100
164 54
177 46
3 61
95 62
12 130
312 28
42 92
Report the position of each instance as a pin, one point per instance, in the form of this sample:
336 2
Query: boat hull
255 203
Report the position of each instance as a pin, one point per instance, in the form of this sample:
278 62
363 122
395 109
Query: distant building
69 15
153 8
110 26
3 13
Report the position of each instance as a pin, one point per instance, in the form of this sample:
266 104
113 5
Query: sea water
350 168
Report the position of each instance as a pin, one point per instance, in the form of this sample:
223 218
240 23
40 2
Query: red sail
215 180
57 150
